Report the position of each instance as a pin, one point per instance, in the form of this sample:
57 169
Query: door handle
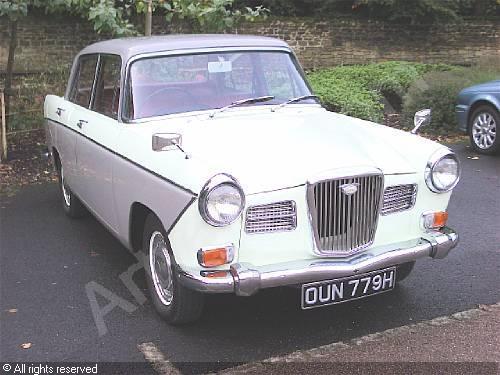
81 122
59 111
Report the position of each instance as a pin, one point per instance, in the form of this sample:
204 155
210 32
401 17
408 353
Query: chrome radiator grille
345 221
274 217
399 198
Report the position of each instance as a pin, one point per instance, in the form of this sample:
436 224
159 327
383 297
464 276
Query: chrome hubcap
484 130
161 268
65 190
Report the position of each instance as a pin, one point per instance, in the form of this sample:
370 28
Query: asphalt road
47 260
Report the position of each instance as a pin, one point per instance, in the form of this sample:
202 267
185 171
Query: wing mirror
168 142
422 118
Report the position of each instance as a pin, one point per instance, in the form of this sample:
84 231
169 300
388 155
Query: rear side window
107 93
81 90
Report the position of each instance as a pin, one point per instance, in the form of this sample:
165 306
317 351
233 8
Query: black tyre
175 303
483 130
71 204
404 270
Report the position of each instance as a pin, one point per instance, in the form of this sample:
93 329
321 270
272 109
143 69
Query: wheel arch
138 214
478 103
56 159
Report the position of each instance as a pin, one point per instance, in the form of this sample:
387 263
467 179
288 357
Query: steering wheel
147 105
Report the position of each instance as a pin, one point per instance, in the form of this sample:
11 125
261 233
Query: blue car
478 109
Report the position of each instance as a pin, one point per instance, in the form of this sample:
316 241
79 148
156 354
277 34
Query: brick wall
46 41
47 45
347 41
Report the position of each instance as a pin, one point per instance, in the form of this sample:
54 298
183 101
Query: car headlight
221 200
442 172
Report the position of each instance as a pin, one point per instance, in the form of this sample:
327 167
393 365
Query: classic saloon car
211 155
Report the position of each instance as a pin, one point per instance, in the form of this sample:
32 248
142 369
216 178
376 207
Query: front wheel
173 302
483 128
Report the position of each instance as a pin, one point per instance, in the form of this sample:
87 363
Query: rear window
107 92
81 89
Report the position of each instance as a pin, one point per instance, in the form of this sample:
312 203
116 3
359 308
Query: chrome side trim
246 279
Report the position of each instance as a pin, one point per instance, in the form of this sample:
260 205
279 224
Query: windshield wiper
237 103
295 100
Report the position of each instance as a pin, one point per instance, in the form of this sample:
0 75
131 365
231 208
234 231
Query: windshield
174 84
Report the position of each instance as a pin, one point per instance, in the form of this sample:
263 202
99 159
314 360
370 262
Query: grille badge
349 189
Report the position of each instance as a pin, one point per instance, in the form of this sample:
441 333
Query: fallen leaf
26 345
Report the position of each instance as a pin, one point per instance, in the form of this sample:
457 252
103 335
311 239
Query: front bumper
245 280
462 112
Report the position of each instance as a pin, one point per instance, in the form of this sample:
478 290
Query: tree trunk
3 129
10 64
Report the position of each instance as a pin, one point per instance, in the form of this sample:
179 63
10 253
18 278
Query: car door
64 111
100 130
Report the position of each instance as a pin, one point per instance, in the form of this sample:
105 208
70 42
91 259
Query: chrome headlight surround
220 181
436 160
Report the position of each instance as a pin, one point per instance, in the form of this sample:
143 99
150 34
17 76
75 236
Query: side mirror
422 118
166 141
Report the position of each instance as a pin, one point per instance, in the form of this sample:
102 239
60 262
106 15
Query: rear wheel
483 130
173 302
71 204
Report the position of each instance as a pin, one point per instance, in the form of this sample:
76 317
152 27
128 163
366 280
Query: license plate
331 292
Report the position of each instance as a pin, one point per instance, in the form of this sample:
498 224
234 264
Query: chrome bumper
245 280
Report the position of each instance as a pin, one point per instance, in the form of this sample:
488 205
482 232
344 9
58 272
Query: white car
211 155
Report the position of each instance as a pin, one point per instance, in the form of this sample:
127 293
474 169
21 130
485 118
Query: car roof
128 47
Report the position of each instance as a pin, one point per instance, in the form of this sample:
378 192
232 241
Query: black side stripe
181 214
126 159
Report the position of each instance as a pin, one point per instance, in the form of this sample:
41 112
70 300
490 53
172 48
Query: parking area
74 293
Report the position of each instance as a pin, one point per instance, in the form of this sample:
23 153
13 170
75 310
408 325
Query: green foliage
13 9
115 17
211 15
344 96
439 90
358 90
412 11
110 19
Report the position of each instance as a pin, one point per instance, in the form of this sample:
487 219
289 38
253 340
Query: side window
107 93
81 89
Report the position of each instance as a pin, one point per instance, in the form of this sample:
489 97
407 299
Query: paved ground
465 342
50 266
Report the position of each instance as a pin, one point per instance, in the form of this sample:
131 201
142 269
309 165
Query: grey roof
128 47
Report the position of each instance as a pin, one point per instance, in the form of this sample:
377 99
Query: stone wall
48 41
347 41
47 45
